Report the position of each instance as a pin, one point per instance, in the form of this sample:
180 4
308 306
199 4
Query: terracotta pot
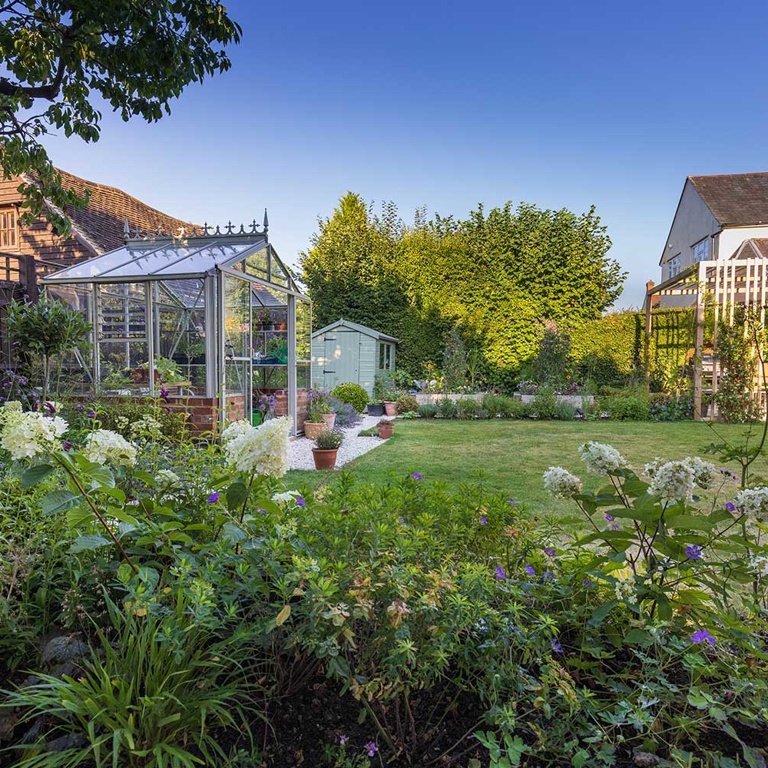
313 428
325 458
330 420
386 429
389 408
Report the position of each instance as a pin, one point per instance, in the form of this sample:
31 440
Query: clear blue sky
448 104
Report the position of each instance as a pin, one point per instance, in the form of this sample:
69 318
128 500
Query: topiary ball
353 394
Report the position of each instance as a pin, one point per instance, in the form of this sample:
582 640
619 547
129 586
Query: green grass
512 455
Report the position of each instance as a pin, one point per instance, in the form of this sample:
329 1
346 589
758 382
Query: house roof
364 329
738 199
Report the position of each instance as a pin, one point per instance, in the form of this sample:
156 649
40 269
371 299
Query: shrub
630 407
427 411
565 411
351 393
467 408
664 407
499 406
446 408
406 404
127 417
346 415
545 403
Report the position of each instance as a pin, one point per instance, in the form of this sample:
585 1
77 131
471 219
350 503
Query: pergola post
698 344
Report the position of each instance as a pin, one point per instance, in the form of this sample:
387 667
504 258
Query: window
385 356
673 266
8 234
700 250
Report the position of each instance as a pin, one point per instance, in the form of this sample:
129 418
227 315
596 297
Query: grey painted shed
345 351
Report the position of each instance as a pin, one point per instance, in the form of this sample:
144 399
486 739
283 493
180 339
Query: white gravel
352 447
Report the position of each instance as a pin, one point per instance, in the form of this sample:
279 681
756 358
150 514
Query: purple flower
415 476
300 502
551 551
730 506
67 445
500 573
213 498
80 407
22 380
343 739
587 583
615 527
693 551
51 408
164 394
261 510
512 503
91 414
530 570
609 517
483 521
547 576
401 520
556 645
702 636
371 748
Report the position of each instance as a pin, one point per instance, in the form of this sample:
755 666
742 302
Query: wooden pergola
723 284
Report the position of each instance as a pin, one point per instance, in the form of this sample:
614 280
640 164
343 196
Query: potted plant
264 320
327 446
314 424
376 408
390 403
386 428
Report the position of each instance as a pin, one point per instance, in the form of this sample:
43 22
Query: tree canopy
61 56
492 275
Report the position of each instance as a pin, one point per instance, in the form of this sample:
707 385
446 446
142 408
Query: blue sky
449 104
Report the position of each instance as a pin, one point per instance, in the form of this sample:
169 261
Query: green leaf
283 616
59 501
233 533
237 493
601 612
87 542
79 515
34 475
638 637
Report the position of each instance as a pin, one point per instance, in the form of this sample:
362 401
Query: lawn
512 455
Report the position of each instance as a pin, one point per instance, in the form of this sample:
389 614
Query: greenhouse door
342 358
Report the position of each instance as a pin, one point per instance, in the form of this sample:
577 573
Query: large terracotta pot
325 458
389 408
386 428
330 420
313 428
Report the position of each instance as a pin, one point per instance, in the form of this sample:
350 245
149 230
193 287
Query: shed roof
364 329
738 199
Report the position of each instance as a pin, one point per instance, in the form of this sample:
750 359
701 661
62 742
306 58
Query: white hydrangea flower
753 502
560 482
106 447
671 480
235 429
676 480
147 428
26 435
759 564
262 450
601 458
285 497
625 590
167 478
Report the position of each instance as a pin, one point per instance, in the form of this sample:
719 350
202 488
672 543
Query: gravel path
352 447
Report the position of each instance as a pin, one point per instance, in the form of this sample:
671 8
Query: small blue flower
500 573
587 583
213 498
483 521
371 748
730 506
530 570
702 636
609 517
547 576
417 476
551 551
556 645
693 551
301 501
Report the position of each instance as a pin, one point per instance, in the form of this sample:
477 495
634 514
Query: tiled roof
738 199
759 246
102 221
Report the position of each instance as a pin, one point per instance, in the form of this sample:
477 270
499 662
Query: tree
60 56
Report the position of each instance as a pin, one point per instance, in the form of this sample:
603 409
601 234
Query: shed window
8 234
385 356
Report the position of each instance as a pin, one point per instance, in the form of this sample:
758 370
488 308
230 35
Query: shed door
342 358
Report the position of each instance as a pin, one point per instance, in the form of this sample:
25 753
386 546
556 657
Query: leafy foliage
352 394
69 56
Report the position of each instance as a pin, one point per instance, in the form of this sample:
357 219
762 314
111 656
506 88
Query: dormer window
9 236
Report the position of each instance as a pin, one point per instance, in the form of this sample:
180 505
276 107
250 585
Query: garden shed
349 352
210 319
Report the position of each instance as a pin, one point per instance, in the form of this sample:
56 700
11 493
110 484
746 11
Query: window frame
6 211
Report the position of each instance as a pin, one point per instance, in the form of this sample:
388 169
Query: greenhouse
211 321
